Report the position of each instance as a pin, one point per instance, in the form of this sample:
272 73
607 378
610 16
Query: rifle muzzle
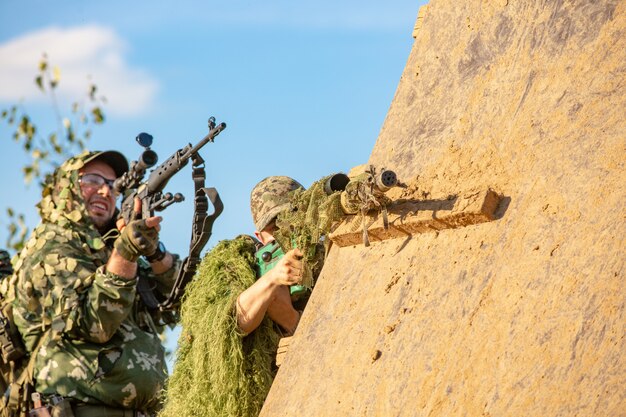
386 180
367 191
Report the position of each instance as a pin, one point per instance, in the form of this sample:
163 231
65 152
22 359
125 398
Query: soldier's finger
154 222
293 264
120 224
136 209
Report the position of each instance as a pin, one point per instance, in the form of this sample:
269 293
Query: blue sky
303 86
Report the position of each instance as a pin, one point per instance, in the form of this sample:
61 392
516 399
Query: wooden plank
409 217
283 348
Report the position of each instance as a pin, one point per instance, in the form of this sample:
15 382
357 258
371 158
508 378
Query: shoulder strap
201 232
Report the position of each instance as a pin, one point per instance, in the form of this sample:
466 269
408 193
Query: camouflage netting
362 196
219 371
312 214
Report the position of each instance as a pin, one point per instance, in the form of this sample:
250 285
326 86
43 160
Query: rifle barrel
208 138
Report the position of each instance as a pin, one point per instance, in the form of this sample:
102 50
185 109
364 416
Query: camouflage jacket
100 345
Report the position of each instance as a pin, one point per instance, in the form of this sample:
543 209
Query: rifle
150 192
361 194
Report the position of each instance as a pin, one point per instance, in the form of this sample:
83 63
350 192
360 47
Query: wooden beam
409 217
283 347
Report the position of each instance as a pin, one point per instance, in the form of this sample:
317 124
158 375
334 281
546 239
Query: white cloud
84 54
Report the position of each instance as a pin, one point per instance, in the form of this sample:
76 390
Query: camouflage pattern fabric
104 346
269 197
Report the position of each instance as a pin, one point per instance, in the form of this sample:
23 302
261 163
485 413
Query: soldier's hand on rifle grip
139 237
288 271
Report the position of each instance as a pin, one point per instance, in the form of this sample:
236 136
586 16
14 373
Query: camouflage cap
269 197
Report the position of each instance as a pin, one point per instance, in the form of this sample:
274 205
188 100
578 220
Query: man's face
98 195
266 235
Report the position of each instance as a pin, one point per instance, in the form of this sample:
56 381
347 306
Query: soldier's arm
59 287
253 303
103 306
281 311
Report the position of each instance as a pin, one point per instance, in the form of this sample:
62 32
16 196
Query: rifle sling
201 232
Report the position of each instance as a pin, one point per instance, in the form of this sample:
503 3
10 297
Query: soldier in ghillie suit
232 318
270 292
94 348
241 302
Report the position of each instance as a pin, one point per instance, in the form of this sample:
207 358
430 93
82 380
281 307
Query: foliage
47 150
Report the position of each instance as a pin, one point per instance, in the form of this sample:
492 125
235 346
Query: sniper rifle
361 194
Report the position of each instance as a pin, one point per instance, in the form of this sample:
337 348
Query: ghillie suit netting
306 225
219 371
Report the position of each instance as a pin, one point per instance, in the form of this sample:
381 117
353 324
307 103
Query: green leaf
70 135
39 82
97 115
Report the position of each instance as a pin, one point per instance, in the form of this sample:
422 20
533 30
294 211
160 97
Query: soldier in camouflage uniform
74 297
232 319
270 293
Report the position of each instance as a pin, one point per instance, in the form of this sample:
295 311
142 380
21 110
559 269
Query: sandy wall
522 315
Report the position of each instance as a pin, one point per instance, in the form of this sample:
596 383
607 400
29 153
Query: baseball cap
114 159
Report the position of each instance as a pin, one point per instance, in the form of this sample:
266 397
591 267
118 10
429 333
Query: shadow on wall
452 216
502 208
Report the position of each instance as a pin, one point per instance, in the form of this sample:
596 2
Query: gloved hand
137 239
